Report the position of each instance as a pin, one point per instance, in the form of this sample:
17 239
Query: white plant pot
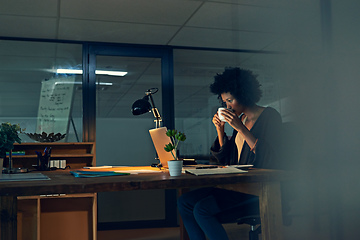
175 167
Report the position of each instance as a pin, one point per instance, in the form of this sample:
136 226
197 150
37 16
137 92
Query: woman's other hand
232 119
220 129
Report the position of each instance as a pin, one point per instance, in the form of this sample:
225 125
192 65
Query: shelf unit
77 155
60 216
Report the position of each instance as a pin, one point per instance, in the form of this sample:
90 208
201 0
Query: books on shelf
16 153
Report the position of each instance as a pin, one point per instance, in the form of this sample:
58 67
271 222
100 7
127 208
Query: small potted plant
8 136
175 166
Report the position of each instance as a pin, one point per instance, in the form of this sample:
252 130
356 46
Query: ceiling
236 24
249 25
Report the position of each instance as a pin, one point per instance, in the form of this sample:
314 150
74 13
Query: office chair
255 226
232 216
255 223
254 220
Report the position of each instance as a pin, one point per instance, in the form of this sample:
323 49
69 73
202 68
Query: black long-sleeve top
268 130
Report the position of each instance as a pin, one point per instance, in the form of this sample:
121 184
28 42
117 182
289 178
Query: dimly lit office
257 101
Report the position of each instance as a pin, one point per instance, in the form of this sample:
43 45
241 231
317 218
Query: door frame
90 52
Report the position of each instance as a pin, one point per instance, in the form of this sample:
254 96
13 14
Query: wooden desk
261 182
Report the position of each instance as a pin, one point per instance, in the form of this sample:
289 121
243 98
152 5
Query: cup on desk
220 114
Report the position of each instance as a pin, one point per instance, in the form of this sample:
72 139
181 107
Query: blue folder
85 174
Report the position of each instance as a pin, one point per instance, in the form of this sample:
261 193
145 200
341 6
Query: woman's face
231 103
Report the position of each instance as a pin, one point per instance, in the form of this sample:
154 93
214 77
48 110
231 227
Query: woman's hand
232 119
219 125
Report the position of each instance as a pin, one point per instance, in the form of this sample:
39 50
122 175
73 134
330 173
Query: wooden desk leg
8 212
270 211
183 233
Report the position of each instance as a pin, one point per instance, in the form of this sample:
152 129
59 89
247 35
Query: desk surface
261 182
64 182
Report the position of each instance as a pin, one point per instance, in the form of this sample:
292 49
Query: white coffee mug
220 114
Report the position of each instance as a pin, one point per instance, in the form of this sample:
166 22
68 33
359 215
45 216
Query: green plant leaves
169 147
8 136
175 137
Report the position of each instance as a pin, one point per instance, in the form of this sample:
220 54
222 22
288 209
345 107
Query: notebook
211 171
159 138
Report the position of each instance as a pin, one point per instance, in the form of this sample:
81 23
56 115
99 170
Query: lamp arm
155 111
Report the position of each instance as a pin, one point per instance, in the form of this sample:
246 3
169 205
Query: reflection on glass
25 67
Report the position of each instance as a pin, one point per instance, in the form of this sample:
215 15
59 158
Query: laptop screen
159 138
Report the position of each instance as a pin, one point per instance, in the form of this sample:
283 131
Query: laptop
159 138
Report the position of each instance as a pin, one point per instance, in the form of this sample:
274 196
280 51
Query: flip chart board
56 98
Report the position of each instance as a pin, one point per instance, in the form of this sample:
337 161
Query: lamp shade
141 106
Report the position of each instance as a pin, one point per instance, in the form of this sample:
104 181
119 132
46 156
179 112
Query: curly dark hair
240 83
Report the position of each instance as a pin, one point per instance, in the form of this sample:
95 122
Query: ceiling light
69 71
79 83
111 73
99 72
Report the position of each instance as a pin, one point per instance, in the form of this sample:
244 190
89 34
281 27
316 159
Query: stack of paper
23 177
199 172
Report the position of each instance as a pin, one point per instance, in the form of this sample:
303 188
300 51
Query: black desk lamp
142 106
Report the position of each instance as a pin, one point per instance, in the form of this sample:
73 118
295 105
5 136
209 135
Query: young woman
256 140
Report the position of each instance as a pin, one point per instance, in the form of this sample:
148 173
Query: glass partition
123 139
33 95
